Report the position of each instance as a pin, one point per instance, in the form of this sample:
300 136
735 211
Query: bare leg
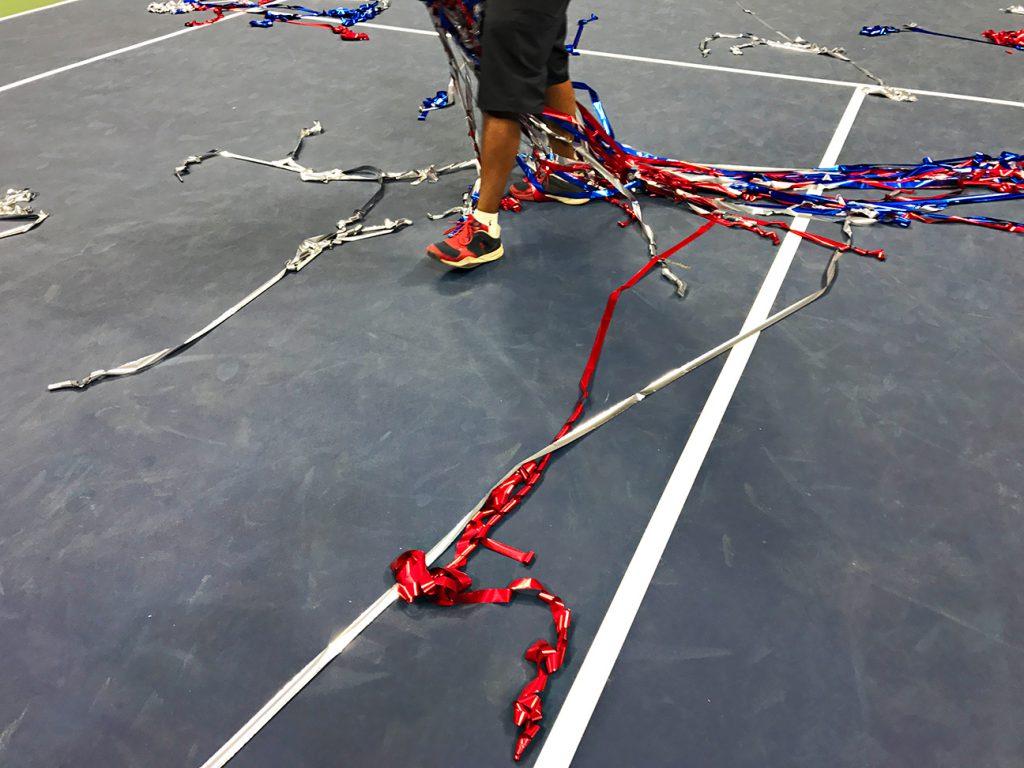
500 143
561 98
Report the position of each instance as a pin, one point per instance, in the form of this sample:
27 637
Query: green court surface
11 7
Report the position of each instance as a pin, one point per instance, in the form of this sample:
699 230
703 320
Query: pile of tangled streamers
270 12
337 20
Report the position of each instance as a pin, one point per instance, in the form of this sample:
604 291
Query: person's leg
559 95
516 42
515 39
561 98
500 143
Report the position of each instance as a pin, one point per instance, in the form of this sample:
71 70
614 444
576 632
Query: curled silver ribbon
290 162
541 134
799 45
1019 9
14 207
346 231
174 6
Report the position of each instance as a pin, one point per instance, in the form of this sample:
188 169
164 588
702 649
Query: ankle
489 222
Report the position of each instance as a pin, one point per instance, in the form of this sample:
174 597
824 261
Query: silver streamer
290 163
346 231
181 6
541 134
14 207
799 45
174 6
1019 9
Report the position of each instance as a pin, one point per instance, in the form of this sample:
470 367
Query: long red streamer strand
448 585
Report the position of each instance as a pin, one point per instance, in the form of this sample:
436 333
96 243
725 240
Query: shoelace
463 231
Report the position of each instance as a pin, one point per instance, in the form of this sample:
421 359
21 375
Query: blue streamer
879 30
430 104
575 44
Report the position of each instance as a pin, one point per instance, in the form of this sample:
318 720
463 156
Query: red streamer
1011 38
448 585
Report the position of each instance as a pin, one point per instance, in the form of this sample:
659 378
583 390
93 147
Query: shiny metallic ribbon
799 45
1019 9
1009 38
725 191
573 47
174 6
290 163
271 11
347 230
14 207
440 100
289 13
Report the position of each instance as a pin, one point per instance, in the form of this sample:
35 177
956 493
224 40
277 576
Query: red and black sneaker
551 188
466 245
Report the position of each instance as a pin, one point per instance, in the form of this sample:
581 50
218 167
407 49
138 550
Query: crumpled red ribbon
1011 38
449 585
218 14
339 29
509 203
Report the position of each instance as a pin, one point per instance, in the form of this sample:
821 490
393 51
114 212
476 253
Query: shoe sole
556 198
569 200
475 261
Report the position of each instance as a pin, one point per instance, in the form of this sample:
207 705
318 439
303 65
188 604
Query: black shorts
523 52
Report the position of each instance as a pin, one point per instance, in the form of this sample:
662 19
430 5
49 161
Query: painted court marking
108 54
571 722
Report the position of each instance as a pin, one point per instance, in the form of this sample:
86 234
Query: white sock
490 221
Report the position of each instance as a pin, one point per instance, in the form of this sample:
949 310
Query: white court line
410 30
571 722
800 78
36 10
738 71
109 54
